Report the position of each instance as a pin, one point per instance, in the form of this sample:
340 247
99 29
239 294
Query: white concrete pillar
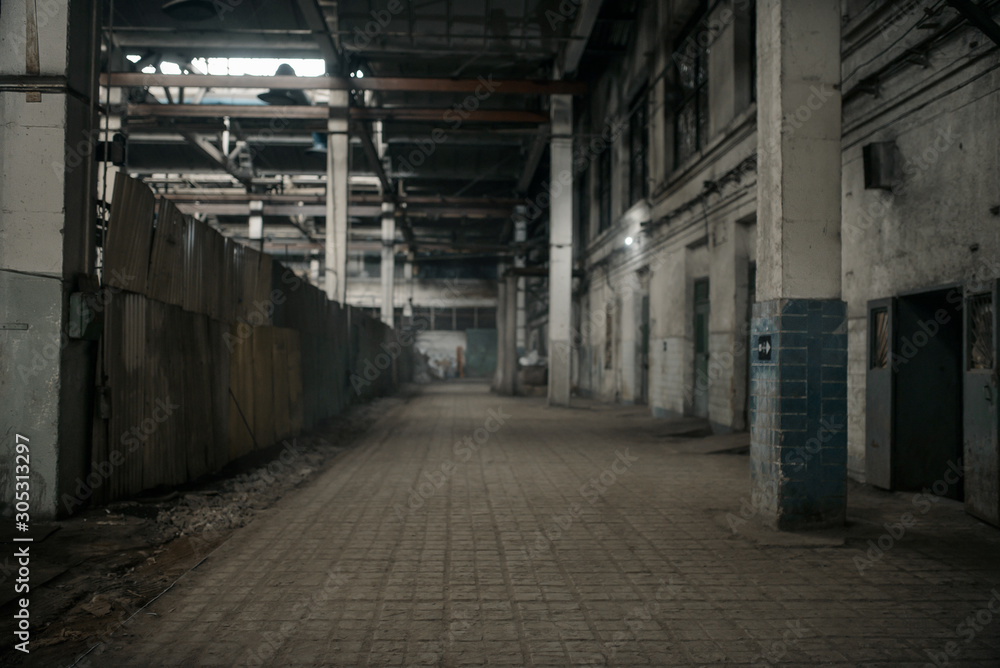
47 221
388 265
508 383
627 341
798 404
337 147
798 138
520 236
256 227
408 282
560 248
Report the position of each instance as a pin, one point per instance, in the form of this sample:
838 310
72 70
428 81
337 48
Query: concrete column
501 319
520 236
798 452
627 342
560 248
388 265
256 220
408 283
47 220
508 384
336 197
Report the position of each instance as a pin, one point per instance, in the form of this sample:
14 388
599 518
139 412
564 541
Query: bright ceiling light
628 241
359 74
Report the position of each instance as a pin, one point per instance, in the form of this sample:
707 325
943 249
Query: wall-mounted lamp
628 241
880 165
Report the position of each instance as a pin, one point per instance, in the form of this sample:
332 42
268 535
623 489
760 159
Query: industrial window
979 311
879 339
486 318
465 318
422 317
444 318
691 91
604 184
638 182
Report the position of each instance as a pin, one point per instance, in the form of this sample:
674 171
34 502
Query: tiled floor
568 537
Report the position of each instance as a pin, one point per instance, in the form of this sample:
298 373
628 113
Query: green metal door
480 352
701 312
980 424
879 393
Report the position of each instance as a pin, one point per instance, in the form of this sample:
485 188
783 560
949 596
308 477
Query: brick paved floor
515 558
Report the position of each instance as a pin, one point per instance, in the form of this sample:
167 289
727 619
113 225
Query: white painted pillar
799 157
388 265
256 227
337 148
560 248
520 236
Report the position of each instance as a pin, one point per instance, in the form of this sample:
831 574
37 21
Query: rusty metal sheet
130 235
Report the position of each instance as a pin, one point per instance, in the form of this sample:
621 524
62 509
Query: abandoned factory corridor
472 529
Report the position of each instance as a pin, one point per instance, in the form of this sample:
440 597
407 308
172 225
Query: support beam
583 25
388 187
397 84
388 266
293 112
560 249
798 406
336 198
978 17
520 236
313 15
535 154
210 151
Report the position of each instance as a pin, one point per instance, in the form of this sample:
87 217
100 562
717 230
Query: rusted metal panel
165 282
130 235
263 384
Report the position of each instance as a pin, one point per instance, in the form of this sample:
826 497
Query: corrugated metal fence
211 349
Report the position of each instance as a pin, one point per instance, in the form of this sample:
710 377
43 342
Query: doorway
699 404
914 392
642 354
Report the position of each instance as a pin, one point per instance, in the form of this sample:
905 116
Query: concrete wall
440 349
936 227
678 234
46 248
945 123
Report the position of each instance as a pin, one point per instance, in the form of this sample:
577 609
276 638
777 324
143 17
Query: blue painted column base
798 413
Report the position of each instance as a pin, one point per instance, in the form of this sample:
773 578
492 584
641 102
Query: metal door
701 313
980 425
642 358
879 395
